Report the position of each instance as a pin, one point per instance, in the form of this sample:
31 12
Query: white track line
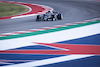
49 61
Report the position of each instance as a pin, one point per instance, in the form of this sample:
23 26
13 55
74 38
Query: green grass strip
48 31
8 9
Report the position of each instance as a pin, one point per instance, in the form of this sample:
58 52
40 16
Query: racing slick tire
38 18
59 17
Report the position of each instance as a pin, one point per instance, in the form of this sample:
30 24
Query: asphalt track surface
73 11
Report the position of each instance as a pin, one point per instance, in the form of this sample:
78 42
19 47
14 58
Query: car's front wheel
59 16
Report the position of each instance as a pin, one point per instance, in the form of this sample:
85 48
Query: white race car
54 16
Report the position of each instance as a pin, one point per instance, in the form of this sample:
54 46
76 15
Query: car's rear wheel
38 18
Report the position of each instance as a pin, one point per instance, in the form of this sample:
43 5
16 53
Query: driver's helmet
49 11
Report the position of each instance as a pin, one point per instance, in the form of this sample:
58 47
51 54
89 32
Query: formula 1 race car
55 15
